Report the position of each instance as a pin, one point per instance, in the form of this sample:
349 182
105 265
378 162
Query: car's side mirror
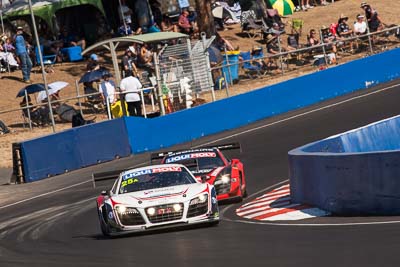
203 179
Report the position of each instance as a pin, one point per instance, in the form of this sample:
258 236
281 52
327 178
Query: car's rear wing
104 176
230 146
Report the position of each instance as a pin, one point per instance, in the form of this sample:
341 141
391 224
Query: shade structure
284 7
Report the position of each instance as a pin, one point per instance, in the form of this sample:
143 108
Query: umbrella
284 7
214 54
93 75
222 13
30 89
53 88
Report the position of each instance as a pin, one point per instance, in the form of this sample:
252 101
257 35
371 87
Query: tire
103 226
244 193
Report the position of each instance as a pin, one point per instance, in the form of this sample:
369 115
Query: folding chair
248 66
249 25
48 60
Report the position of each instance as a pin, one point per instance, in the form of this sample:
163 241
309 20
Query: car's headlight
226 178
177 207
199 200
223 179
123 210
151 211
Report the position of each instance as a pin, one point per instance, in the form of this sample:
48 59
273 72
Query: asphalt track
54 222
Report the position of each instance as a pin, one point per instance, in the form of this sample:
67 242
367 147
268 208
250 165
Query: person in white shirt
107 89
130 87
360 26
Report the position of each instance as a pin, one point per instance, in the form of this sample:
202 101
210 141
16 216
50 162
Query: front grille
165 213
131 217
197 209
222 188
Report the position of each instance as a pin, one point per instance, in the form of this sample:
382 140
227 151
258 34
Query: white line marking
45 194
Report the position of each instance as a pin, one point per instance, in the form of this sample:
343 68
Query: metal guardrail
323 48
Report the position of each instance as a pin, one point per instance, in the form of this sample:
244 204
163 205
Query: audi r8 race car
156 197
209 164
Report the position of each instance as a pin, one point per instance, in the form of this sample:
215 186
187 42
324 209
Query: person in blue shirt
22 53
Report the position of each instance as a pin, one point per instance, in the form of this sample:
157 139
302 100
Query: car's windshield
197 162
154 178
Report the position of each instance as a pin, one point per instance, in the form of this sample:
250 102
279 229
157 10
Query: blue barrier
75 148
158 133
354 173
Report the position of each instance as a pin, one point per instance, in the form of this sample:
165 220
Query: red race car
211 165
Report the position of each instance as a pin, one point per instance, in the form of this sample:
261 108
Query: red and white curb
276 205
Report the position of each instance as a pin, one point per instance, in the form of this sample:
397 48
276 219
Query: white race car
156 196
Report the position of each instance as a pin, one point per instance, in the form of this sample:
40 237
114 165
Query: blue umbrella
93 75
32 88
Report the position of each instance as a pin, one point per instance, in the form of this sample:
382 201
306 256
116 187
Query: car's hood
164 195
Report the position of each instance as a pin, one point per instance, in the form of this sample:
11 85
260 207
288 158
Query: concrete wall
65 151
354 173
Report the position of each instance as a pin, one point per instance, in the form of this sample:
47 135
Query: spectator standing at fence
107 89
130 86
374 21
22 53
360 26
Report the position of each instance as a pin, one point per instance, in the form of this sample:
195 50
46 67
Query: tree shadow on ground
12 78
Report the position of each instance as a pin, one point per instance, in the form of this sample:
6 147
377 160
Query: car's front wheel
103 225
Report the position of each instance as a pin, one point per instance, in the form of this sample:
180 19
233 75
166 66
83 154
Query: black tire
244 193
214 223
103 226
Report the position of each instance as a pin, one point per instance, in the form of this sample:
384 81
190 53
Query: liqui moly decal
166 169
135 174
191 156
